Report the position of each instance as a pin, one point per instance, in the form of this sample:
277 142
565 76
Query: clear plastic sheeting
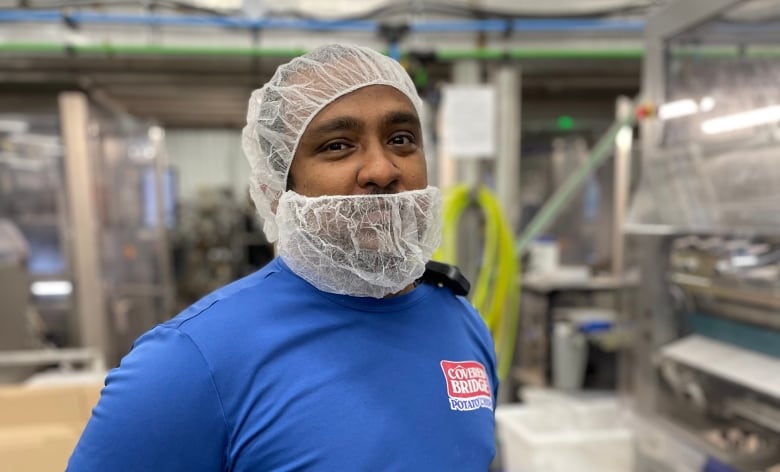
674 192
720 89
712 188
281 110
360 245
583 228
714 167
748 184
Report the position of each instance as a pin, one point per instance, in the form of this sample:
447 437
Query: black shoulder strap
438 273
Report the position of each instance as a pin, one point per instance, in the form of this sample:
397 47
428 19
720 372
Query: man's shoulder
225 324
256 293
458 304
472 317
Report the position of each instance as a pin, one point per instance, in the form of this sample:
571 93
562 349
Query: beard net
359 245
280 111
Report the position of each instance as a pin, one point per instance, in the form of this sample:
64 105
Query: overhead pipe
427 26
222 21
526 25
150 49
443 55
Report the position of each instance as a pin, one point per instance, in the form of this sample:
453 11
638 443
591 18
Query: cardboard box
40 425
37 448
72 404
24 406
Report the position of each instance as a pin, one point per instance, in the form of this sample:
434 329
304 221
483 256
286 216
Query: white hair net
360 245
280 111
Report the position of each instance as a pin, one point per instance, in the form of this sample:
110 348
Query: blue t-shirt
271 374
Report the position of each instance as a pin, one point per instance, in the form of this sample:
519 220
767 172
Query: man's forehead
395 106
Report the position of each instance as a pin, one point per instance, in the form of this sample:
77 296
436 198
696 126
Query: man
334 357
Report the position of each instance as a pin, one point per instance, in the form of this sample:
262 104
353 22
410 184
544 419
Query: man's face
366 142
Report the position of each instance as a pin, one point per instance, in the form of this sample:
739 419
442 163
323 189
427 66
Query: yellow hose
495 295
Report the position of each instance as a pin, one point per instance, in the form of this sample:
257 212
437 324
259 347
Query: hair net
360 245
280 111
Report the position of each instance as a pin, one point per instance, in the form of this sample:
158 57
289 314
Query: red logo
468 385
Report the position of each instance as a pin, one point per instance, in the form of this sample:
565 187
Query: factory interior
607 180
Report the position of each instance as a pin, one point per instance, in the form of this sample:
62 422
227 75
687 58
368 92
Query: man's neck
406 289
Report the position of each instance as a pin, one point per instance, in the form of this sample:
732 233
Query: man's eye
401 140
334 147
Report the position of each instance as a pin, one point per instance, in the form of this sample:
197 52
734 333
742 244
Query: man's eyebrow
341 123
401 118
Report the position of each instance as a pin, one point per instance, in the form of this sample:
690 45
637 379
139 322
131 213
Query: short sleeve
494 375
487 344
159 410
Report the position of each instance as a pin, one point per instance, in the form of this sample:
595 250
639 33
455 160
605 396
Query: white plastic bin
556 437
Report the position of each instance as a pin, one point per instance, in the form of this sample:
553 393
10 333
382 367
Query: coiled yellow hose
496 294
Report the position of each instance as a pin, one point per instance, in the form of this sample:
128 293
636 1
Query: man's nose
378 172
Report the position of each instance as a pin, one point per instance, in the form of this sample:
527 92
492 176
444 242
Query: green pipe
189 50
148 50
563 195
140 49
443 54
31 47
545 53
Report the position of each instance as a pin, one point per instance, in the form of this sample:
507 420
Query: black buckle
445 275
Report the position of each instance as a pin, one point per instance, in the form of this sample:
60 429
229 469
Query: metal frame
624 107
660 28
508 80
654 323
168 296
655 318
91 324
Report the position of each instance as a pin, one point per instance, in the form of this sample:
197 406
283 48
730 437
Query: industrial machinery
210 244
32 199
706 357
120 207
14 292
90 192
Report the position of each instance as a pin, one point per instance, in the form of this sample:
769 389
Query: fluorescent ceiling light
677 109
51 288
748 119
706 104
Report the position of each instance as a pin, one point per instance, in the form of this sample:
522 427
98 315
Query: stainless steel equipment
32 196
15 295
706 357
94 201
120 205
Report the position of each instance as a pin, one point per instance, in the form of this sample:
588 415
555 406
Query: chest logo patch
468 386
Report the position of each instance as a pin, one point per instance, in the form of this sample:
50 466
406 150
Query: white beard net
280 111
360 245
